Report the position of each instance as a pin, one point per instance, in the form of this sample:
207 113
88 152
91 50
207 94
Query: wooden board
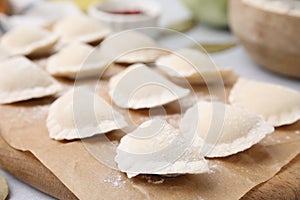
23 165
27 168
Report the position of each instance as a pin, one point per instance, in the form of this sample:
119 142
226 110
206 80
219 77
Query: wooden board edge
26 167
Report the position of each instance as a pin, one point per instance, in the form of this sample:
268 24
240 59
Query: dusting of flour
287 7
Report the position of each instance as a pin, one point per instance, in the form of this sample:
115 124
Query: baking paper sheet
23 126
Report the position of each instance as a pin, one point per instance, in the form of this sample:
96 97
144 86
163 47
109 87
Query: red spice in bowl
125 12
121 15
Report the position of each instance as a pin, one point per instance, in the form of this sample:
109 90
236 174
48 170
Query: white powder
289 7
153 179
115 181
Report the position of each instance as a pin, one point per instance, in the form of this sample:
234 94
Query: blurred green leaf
211 12
213 48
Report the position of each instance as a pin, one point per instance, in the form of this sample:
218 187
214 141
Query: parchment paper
23 126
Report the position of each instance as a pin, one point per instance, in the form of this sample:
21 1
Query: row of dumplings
79 60
256 108
273 105
157 147
21 79
31 40
75 57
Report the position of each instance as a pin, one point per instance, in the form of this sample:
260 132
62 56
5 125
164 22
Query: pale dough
76 60
194 66
140 87
156 147
131 47
29 40
21 79
80 28
222 130
80 114
276 104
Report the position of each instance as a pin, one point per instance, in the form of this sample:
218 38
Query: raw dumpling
223 129
28 40
131 47
76 60
156 147
140 87
20 79
277 105
80 114
46 13
4 53
80 28
194 66
3 188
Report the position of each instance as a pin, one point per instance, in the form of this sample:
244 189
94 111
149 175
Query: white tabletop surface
236 58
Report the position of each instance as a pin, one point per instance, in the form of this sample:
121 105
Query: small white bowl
112 14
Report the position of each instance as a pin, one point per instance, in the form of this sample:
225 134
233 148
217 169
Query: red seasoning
125 12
